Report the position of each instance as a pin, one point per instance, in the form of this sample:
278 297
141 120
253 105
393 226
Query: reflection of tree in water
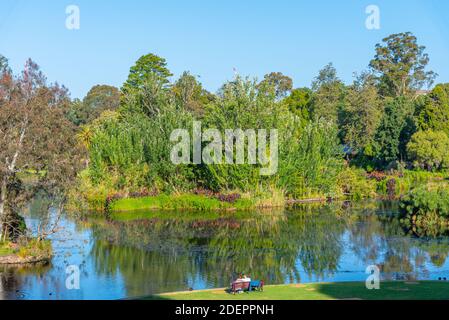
163 254
377 236
14 278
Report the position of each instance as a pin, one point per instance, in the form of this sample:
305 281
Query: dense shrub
132 151
311 160
422 200
426 211
429 150
354 185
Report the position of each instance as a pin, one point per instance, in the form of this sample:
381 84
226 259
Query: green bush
429 150
426 211
422 200
354 184
133 151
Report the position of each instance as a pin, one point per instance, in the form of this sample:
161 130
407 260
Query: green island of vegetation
391 290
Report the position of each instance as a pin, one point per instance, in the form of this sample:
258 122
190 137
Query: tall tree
148 68
393 133
147 87
36 139
189 94
361 114
400 65
278 82
99 99
328 94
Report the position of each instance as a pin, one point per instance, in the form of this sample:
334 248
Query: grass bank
199 202
24 252
397 290
179 202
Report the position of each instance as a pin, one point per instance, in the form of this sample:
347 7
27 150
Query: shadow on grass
393 290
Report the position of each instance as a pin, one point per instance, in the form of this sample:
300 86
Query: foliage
424 200
354 184
328 97
149 67
27 248
34 248
393 130
400 65
426 211
429 150
278 83
433 110
99 99
360 116
299 102
240 105
377 123
35 137
311 160
133 151
6 248
190 95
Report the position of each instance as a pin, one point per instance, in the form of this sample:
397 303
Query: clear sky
211 38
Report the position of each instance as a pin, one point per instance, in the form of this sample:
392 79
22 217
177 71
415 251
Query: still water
137 254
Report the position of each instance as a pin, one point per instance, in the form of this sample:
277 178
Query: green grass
397 290
178 202
5 249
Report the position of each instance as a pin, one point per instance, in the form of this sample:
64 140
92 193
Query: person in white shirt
243 278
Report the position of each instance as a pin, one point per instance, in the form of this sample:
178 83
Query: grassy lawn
397 290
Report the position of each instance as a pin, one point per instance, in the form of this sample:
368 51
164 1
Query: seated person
243 278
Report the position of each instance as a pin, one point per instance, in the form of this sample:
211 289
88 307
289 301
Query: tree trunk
11 224
3 191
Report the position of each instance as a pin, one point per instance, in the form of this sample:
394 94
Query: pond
143 253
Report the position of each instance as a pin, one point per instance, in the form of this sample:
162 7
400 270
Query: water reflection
138 254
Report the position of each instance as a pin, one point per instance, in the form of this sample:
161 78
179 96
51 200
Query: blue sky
211 38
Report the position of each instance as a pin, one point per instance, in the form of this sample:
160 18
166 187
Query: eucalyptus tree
400 65
278 82
328 94
39 151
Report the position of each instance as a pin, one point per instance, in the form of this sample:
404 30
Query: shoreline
355 185
15 260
